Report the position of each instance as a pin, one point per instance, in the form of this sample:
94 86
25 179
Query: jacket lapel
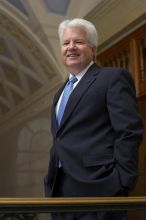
78 92
53 113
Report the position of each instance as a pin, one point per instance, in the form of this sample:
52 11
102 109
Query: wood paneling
130 53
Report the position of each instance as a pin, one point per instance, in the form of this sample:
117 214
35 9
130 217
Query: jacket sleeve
127 124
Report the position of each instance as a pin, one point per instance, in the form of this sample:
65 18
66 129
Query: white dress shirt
79 77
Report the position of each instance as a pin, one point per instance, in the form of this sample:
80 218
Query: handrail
46 205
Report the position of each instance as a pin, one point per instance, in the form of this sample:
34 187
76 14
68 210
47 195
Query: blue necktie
67 91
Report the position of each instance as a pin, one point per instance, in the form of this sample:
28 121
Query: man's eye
65 44
79 42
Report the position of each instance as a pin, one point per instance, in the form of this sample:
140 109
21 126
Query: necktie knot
73 79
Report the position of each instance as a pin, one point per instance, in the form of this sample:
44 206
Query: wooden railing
48 205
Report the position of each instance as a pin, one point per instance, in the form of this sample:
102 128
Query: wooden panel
130 53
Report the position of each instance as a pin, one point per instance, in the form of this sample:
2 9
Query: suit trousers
62 189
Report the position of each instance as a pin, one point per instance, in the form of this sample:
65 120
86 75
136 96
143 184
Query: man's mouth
72 55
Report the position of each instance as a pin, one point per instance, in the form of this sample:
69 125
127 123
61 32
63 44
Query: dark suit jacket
101 130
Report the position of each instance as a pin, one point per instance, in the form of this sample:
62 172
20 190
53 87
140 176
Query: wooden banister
46 205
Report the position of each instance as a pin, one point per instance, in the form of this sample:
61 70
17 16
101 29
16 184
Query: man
95 143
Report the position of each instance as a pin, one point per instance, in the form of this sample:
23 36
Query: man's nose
72 45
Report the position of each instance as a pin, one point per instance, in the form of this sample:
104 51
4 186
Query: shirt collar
81 74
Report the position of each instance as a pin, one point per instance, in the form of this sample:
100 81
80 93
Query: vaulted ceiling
29 50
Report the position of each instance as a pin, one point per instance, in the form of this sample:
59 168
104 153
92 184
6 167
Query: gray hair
87 26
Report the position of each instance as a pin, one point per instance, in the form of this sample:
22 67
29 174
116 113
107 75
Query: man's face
75 50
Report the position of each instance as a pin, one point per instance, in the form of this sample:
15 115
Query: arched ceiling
30 64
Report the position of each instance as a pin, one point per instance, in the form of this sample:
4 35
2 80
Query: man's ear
94 53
